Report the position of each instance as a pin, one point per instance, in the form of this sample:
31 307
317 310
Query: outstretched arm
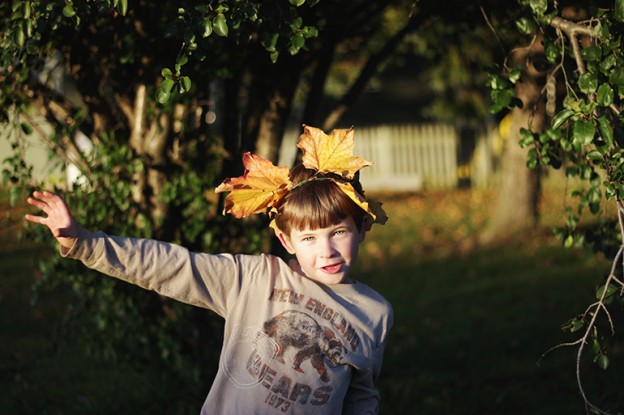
58 217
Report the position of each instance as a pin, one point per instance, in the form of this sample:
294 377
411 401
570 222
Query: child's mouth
332 269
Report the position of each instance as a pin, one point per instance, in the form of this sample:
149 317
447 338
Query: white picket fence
412 157
405 157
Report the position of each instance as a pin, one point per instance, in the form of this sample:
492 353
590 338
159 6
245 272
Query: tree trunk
272 107
516 207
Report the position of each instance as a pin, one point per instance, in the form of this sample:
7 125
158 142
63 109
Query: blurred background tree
574 121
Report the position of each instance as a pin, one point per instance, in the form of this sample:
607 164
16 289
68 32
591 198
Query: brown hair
317 202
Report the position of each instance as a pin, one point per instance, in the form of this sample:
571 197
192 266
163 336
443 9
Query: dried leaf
378 213
257 189
373 209
330 153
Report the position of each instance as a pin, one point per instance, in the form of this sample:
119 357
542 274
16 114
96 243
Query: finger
37 203
49 195
35 219
37 194
45 195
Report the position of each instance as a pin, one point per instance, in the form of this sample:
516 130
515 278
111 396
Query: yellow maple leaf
330 153
257 189
373 208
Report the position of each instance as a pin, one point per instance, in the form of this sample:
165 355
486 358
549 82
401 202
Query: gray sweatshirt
291 345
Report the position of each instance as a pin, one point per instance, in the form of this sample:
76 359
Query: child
300 338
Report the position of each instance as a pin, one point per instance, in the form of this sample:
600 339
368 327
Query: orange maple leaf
330 153
257 189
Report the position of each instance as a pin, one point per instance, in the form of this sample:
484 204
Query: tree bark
516 208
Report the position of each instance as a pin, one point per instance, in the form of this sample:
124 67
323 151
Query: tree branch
369 70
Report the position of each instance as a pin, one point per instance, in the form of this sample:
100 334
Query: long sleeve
208 281
362 397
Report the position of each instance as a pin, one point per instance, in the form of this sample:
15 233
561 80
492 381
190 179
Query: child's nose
326 249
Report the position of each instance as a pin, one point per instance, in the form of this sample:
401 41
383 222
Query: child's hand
59 219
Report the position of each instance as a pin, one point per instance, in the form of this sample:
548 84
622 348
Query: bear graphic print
298 357
289 356
299 330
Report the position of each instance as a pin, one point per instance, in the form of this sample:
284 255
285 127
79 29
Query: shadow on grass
43 372
469 332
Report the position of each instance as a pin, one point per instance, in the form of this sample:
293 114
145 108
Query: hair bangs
317 204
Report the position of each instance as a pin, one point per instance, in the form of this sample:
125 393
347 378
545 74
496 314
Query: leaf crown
263 187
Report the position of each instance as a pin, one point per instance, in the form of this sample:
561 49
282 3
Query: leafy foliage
583 60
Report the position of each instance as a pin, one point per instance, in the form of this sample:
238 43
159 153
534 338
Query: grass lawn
470 324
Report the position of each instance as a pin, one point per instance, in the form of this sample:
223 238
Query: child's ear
285 240
367 223
362 234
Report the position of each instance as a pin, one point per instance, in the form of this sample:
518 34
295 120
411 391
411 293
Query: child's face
325 255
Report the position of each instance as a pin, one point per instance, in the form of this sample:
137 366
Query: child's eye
308 239
340 232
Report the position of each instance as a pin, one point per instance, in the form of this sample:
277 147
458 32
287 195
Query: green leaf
182 60
68 10
611 289
603 361
515 74
297 3
269 41
592 53
220 25
497 82
552 52
162 96
538 7
605 95
27 25
19 37
594 155
295 23
596 346
166 73
186 83
606 131
525 25
207 27
583 132
502 98
561 117
27 10
526 138
296 43
310 31
123 7
618 11
569 241
167 85
616 76
608 63
577 324
588 82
